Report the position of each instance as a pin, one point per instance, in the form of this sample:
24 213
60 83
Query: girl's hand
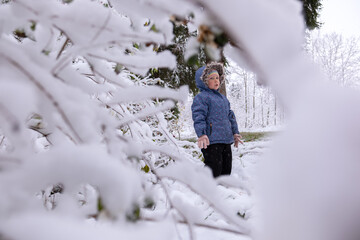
237 140
203 142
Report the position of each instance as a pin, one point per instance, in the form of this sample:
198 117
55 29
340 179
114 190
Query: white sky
341 16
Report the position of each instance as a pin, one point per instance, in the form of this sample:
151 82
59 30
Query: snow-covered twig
55 103
202 225
172 206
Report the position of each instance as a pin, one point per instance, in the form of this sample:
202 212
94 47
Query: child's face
213 81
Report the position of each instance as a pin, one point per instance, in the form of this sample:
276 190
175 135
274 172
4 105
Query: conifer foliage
311 11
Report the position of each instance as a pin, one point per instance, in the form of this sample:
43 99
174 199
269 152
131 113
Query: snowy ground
246 156
244 163
245 159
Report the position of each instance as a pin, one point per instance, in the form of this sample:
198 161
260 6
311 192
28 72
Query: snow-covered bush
83 130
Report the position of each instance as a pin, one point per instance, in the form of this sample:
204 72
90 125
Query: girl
214 122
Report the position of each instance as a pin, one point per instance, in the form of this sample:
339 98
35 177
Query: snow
46 225
106 135
128 94
318 185
75 166
135 63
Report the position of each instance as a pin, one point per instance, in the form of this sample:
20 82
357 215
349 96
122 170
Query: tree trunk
275 110
268 110
246 100
222 89
253 104
262 110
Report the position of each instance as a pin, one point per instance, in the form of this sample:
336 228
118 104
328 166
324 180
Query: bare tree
255 106
338 56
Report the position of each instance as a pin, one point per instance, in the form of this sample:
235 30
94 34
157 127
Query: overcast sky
341 16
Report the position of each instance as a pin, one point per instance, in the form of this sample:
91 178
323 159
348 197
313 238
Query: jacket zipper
210 129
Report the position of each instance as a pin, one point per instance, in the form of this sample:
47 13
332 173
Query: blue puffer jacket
212 115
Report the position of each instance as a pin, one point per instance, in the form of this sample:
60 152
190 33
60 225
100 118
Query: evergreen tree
311 10
184 73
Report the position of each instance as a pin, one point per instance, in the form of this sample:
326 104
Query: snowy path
244 162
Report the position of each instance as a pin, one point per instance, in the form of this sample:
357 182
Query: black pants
218 157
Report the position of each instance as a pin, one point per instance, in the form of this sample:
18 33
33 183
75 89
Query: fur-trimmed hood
199 83
209 68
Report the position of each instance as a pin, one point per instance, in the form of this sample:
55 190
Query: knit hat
211 68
